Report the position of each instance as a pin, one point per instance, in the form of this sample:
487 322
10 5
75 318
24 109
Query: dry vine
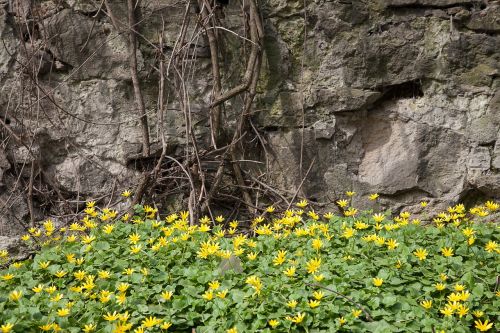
228 186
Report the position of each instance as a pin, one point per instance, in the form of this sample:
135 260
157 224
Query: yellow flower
15 295
313 303
342 321
350 193
111 316
167 295
478 313
79 275
459 287
208 295
108 228
348 233
273 323
342 203
447 311
290 271
427 304
491 246
464 295
232 330
255 282
134 249
219 218
454 297
60 274
318 277
420 253
292 304
134 238
423 204
493 206
121 298
302 203
361 225
213 285
377 282
447 251
297 319
468 232
71 238
373 196
270 209
51 289
313 215
44 264
391 244
328 215
122 287
280 258
351 211
89 328
222 293
88 239
313 265
126 194
38 289
46 327
184 215
483 326
63 312
439 286
166 325
318 295
57 298
6 328
104 275
462 310
151 322
356 313
8 277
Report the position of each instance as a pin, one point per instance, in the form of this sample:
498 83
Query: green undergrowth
293 271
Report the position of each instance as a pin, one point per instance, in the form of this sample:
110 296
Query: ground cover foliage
290 271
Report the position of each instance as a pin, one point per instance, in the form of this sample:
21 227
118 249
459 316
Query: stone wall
398 97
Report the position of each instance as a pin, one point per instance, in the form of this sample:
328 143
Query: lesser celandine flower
313 303
89 327
483 326
447 251
313 265
427 304
6 328
273 323
377 282
491 246
356 313
342 203
420 253
297 319
478 313
290 271
373 196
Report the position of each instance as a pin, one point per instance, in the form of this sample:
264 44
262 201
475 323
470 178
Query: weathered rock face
398 97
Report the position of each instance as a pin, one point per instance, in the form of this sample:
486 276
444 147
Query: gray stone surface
399 97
